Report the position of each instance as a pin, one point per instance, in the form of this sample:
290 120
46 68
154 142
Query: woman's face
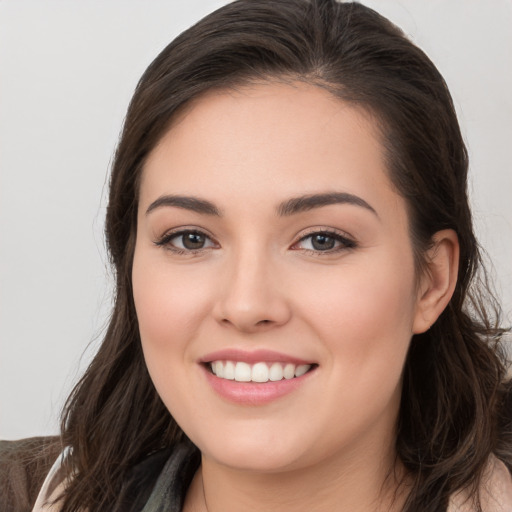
271 243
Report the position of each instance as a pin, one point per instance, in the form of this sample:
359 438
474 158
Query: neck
355 485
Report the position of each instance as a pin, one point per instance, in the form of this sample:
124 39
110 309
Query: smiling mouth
259 372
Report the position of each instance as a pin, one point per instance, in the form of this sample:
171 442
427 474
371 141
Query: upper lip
252 356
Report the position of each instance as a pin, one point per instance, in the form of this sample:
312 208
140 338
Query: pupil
322 242
193 241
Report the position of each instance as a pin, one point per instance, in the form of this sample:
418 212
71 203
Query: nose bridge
252 298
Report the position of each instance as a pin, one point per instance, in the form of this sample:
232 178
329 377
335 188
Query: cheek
365 322
169 303
364 313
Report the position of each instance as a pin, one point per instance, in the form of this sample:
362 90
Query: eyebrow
289 207
186 202
309 202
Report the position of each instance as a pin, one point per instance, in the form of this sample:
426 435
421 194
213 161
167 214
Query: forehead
269 139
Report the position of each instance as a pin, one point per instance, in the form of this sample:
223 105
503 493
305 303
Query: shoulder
23 468
495 491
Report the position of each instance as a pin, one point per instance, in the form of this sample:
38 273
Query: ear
438 280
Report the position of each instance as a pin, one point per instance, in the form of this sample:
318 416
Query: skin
259 283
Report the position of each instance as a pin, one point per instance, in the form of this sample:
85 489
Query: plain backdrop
67 72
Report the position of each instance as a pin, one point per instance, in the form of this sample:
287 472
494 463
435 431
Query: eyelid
165 240
347 241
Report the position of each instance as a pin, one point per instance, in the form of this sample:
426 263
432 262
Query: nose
252 297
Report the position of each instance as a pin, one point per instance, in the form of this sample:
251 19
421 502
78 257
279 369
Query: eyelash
165 242
345 243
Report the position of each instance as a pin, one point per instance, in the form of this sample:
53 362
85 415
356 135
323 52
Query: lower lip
254 393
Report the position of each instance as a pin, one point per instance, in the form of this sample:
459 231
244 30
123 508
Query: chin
253 453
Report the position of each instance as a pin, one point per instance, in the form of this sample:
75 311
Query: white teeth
259 372
276 372
229 370
242 372
218 369
289 371
300 370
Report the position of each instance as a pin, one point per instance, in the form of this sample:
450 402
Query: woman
294 326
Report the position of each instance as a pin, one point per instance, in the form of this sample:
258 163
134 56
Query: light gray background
67 71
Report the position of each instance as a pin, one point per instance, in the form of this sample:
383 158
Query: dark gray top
160 483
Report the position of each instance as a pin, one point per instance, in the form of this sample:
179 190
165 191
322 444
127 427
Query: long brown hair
453 413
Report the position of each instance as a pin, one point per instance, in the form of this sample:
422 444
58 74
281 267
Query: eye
186 241
324 241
